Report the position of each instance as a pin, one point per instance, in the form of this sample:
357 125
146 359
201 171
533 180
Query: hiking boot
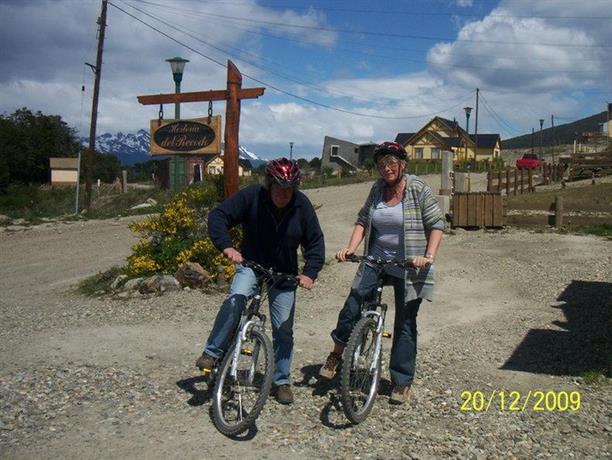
328 370
284 395
206 363
400 394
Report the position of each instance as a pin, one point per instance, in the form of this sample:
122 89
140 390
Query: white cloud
465 3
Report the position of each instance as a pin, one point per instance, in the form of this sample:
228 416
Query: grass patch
587 198
597 229
100 283
596 377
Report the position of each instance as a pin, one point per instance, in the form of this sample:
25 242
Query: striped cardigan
421 215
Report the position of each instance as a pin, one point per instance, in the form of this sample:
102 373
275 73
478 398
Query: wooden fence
584 165
515 181
480 209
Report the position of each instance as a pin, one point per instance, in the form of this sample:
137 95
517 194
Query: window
334 150
435 154
418 153
211 170
356 149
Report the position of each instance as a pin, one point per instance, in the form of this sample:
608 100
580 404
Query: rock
4 220
17 228
192 275
19 222
159 283
142 206
133 284
151 201
118 281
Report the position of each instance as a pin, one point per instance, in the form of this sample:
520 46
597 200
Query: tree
315 163
28 140
303 163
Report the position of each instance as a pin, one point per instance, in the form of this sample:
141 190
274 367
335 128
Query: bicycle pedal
206 370
246 351
386 334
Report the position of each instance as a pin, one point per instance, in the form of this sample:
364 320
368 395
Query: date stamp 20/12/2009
515 401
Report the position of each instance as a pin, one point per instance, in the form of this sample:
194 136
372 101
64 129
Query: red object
529 161
284 172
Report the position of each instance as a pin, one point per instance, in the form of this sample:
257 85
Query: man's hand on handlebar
305 281
420 261
233 255
343 254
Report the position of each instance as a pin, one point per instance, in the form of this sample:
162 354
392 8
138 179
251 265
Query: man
276 219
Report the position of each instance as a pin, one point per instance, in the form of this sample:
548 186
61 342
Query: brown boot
400 394
206 363
329 369
284 395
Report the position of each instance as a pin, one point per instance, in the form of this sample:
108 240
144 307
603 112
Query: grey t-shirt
387 223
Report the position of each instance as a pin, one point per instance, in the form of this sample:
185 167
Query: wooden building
442 134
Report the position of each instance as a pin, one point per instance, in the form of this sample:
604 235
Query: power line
413 13
392 35
276 88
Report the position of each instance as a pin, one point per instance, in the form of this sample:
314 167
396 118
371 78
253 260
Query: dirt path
90 378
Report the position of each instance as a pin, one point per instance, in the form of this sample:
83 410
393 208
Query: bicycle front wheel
359 375
240 393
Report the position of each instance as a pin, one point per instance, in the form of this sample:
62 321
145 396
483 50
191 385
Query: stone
192 275
4 220
142 206
133 284
118 281
159 283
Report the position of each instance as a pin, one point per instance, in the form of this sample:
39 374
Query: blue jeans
404 348
282 308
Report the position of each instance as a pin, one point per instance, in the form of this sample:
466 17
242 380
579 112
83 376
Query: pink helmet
283 172
389 148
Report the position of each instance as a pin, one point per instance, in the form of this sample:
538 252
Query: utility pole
91 152
532 134
476 123
541 148
552 127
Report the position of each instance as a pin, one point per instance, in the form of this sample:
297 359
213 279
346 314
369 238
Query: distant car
529 161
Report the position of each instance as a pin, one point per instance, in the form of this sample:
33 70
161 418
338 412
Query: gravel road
102 378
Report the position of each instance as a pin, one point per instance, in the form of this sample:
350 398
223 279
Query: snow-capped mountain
133 148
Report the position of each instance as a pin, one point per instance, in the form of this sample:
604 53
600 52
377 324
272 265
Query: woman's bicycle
244 377
362 362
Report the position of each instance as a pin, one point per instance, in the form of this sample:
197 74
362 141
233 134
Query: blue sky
358 70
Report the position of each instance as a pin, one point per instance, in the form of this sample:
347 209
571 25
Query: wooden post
489 180
507 181
232 128
499 180
515 181
530 180
124 183
558 211
522 181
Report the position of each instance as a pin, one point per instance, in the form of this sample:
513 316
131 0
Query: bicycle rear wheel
238 399
359 377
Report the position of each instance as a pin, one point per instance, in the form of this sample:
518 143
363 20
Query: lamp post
177 64
541 125
290 150
468 110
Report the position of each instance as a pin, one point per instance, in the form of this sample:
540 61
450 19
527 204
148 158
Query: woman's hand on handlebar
343 254
305 281
233 255
420 261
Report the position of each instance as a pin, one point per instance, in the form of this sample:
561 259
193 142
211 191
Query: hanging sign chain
210 112
160 115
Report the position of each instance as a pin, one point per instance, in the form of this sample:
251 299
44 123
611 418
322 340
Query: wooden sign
195 136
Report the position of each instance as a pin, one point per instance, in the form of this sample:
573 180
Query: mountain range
131 148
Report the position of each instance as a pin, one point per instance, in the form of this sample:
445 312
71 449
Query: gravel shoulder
103 378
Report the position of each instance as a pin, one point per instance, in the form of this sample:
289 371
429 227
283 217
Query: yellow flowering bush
178 235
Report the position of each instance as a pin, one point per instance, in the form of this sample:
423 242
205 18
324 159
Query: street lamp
541 125
290 150
468 110
177 64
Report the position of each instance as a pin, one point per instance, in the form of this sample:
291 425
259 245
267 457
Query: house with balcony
441 134
340 155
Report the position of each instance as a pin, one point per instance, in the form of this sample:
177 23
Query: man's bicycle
244 377
362 362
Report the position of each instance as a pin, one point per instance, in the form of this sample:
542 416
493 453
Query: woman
400 220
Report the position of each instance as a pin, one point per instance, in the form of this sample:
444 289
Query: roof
63 163
402 138
486 140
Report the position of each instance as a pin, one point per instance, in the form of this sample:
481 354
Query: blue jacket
269 238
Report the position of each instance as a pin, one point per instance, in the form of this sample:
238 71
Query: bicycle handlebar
269 272
405 264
